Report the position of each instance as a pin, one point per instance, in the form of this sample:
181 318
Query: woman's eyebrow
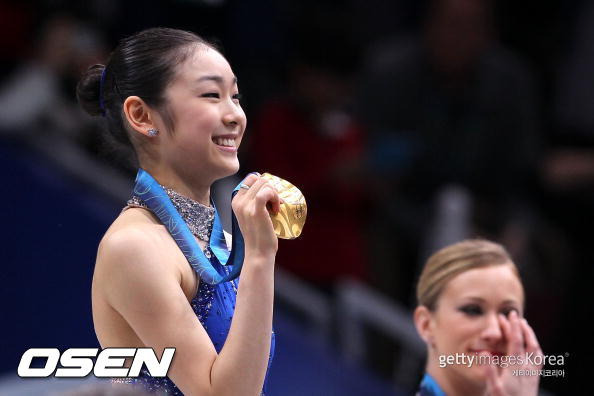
216 78
506 303
473 298
510 302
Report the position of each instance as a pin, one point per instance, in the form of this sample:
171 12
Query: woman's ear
423 318
138 114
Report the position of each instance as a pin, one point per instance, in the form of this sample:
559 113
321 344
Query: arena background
407 125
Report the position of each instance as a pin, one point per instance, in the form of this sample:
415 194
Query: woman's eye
237 96
507 311
210 95
471 310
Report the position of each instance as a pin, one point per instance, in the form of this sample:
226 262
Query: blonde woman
470 314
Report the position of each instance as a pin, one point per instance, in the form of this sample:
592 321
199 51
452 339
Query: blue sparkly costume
430 387
213 305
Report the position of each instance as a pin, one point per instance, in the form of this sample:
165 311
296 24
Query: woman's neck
195 189
451 382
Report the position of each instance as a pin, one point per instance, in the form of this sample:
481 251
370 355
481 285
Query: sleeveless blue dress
213 305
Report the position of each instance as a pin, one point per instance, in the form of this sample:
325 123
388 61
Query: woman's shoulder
132 226
135 235
137 254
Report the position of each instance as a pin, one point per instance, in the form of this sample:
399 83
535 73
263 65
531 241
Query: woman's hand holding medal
252 205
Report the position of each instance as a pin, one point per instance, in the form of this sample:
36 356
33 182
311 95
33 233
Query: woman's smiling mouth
225 144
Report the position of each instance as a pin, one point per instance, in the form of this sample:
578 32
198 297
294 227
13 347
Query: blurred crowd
408 125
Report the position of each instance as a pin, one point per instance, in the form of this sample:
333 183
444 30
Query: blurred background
407 124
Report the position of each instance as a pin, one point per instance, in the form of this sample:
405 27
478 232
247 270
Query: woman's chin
474 376
230 168
477 374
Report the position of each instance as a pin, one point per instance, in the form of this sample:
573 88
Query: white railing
360 307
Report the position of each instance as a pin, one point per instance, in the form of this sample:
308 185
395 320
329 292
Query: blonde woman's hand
521 341
252 207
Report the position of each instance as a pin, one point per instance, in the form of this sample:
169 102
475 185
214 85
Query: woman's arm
251 328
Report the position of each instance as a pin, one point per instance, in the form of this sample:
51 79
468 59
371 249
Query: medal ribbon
157 200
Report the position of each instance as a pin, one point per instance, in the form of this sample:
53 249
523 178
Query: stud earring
152 132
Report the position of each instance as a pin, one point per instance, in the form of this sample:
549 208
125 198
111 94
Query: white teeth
224 142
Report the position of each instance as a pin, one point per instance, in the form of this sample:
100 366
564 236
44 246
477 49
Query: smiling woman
164 275
470 315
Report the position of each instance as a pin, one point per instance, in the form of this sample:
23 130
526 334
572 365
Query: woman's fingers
507 332
256 184
520 339
247 183
532 345
256 187
251 205
513 333
268 196
258 191
517 340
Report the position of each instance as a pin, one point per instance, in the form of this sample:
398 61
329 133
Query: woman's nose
492 331
233 115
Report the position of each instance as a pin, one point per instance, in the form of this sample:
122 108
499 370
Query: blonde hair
455 259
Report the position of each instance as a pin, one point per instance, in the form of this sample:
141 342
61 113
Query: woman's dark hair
141 65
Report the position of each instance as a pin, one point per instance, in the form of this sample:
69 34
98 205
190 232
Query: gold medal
289 221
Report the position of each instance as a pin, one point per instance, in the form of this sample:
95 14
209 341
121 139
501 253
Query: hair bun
88 90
